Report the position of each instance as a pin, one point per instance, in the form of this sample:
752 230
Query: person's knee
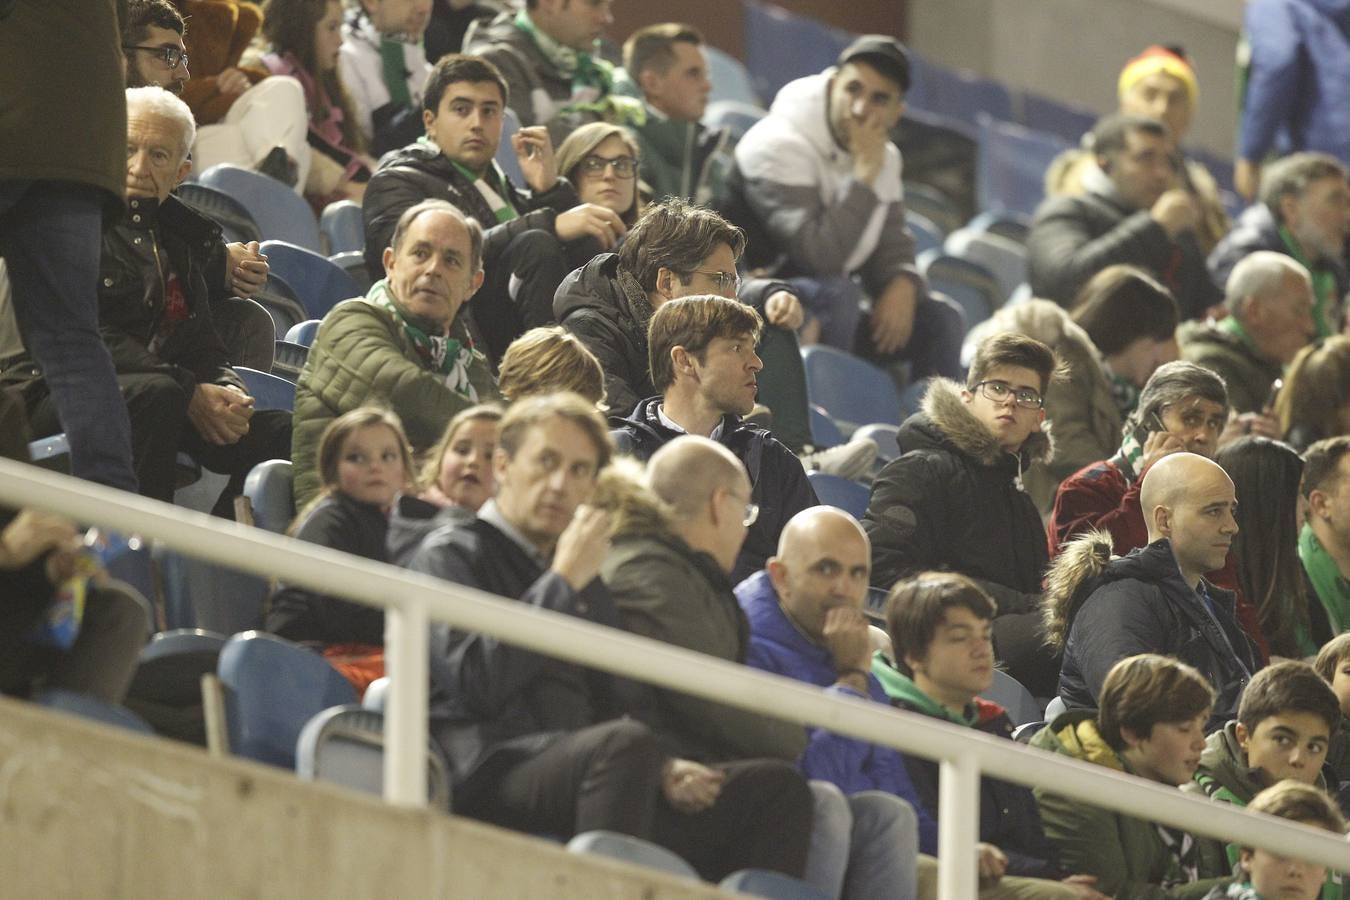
628 741
156 398
118 609
880 811
534 249
946 315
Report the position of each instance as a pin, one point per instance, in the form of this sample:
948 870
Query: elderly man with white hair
161 266
1269 299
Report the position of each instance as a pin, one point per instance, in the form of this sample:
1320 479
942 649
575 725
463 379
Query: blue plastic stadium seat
272 688
927 235
354 264
781 46
268 488
736 116
281 213
1013 226
342 227
87 707
1005 259
267 389
730 79
1010 171
1068 123
771 884
234 219
632 850
831 490
852 391
506 154
824 433
304 332
960 94
967 282
885 438
345 745
1010 694
320 283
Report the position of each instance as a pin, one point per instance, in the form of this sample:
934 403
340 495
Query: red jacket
1101 496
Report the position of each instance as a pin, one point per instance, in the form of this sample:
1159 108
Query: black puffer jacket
1074 238
778 482
611 321
954 501
1141 604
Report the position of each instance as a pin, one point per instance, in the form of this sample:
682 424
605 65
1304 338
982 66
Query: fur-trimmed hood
946 420
1079 562
1042 320
636 511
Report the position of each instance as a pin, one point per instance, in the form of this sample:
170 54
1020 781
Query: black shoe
278 164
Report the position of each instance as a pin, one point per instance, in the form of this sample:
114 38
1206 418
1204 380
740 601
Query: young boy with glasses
954 499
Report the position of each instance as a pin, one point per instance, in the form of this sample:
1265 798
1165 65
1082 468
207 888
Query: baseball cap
886 54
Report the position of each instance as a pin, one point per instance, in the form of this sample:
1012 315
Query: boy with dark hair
1265 874
954 499
1284 726
940 625
1150 722
1333 665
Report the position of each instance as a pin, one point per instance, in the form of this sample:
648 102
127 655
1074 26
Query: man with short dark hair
538 744
954 498
818 182
1324 542
162 268
704 365
548 51
1303 212
1149 721
1269 301
681 157
1156 599
404 345
524 257
1128 213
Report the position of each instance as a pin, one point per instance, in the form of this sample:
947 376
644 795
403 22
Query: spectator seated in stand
1314 403
1324 541
1121 329
450 19
541 745
547 360
548 52
1283 730
1129 212
954 499
1160 84
675 543
365 467
1333 666
602 162
384 68
1267 572
703 362
245 116
403 345
162 268
941 631
666 68
458 470
523 252
304 37
1269 301
1149 721
1099 610
1303 211
1265 874
819 183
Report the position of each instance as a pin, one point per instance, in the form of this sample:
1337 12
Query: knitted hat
1156 59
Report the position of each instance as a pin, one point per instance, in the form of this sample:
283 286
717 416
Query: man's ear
475 283
1161 518
1129 737
388 259
648 80
665 282
681 360
1317 503
500 459
1040 420
1243 736
428 120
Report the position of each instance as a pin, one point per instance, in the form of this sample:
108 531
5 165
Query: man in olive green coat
402 346
63 127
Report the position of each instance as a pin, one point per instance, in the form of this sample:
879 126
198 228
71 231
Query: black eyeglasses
998 391
624 166
171 56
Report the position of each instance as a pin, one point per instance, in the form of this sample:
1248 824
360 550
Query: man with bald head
1155 599
674 547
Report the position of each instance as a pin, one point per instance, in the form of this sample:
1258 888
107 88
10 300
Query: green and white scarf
592 78
1326 579
445 355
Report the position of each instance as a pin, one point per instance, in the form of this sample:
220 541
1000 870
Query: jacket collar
146 213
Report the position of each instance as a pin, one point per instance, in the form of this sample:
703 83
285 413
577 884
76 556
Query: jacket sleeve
904 519
1062 254
894 254
819 237
604 340
479 671
1079 507
649 592
1116 621
1090 843
1273 82
359 344
757 291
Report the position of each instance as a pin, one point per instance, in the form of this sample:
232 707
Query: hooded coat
1249 377
1128 856
1101 610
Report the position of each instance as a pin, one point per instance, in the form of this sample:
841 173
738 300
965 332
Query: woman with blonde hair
1315 400
548 359
601 161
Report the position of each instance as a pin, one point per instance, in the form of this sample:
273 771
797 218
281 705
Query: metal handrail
413 600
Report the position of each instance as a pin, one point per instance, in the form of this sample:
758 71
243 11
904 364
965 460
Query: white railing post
958 827
405 708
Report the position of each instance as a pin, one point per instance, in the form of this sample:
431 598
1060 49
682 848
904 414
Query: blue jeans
863 845
50 237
